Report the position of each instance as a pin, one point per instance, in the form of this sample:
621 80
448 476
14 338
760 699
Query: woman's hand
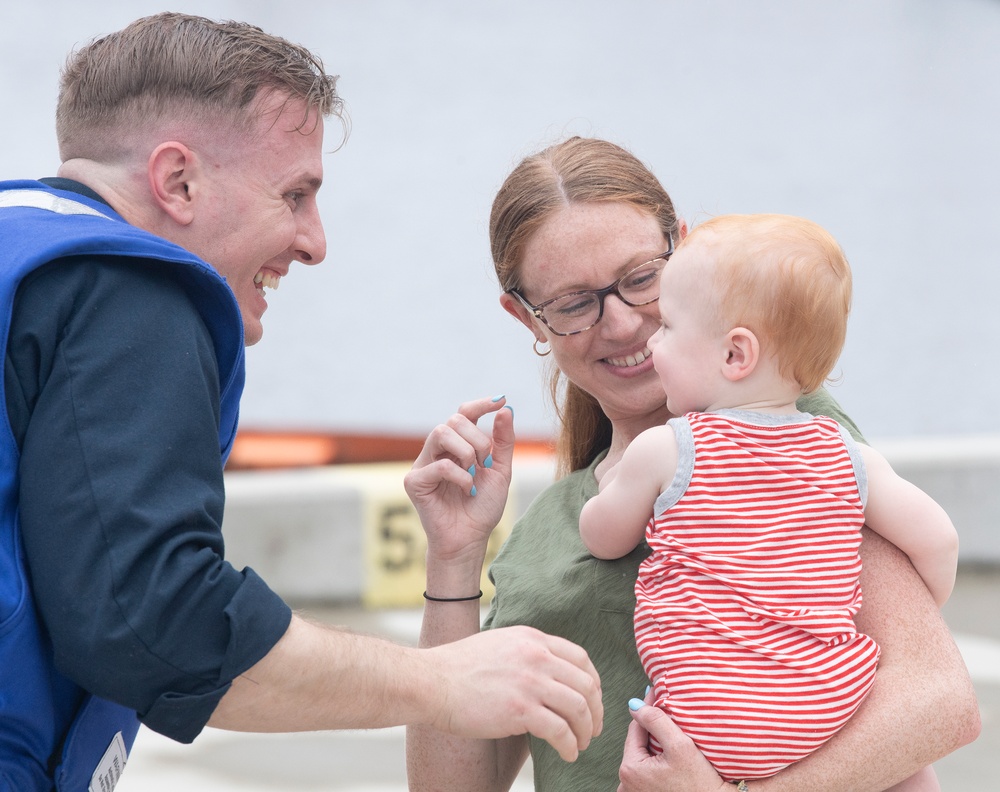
680 768
458 508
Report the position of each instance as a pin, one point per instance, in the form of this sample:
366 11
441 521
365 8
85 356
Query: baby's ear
742 351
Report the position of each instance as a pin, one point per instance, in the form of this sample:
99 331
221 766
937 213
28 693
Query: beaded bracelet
453 599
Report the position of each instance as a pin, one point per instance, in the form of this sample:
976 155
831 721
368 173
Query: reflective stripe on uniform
36 199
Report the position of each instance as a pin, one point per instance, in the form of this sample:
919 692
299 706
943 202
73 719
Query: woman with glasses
579 234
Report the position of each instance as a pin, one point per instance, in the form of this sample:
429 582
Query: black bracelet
453 599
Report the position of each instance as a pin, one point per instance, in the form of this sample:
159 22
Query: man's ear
742 351
172 169
513 306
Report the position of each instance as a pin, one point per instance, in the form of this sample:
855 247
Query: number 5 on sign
395 547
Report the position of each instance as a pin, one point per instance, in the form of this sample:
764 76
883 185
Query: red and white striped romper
744 608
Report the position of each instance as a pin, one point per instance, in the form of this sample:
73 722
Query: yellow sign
395 547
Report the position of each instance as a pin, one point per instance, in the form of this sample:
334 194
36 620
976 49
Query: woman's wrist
455 578
471 598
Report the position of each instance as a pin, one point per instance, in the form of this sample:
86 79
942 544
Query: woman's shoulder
569 491
820 402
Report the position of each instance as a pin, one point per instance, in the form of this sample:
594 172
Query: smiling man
191 160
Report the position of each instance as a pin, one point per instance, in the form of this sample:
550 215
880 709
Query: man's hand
518 680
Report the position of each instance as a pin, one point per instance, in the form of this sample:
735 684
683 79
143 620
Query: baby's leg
924 781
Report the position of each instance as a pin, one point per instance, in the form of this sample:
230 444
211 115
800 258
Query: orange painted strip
270 449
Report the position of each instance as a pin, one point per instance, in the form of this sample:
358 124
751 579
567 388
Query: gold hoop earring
540 354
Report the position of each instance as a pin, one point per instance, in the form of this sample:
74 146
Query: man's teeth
267 279
630 360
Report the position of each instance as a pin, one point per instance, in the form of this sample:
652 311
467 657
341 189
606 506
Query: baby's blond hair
787 280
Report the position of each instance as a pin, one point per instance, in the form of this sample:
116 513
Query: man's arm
489 685
113 395
122 497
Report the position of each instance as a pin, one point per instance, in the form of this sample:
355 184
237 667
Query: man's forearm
320 678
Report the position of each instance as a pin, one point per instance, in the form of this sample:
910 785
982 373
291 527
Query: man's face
260 212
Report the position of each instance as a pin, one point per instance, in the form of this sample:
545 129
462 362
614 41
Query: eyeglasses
569 314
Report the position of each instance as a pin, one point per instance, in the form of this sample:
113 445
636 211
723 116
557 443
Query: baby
752 509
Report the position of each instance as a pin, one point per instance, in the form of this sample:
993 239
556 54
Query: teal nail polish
472 470
473 490
635 704
488 462
648 688
508 407
497 398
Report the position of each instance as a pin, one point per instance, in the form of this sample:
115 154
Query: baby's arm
613 522
914 522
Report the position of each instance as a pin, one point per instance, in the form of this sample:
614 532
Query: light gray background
876 119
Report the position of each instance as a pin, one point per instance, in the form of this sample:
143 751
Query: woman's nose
619 317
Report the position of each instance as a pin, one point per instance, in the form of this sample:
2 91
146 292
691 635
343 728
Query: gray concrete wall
963 475
347 533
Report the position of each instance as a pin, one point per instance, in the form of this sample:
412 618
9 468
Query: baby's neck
779 406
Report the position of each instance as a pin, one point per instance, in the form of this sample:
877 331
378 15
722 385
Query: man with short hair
191 159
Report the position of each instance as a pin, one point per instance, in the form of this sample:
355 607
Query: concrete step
348 533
